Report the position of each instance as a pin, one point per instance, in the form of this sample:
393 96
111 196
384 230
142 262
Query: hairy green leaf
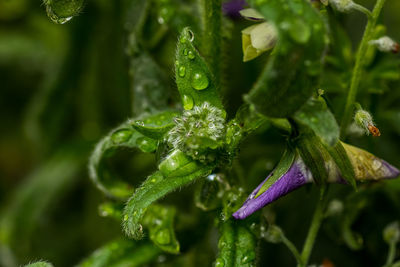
158 185
123 136
195 82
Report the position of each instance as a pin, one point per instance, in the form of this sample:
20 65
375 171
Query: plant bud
364 120
342 5
385 44
391 233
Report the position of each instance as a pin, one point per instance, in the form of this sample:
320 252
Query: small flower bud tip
385 44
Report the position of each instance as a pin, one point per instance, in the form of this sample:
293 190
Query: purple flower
232 8
366 166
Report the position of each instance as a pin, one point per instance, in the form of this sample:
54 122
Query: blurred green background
62 87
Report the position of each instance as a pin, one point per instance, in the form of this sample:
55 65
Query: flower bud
391 233
342 5
273 234
335 207
385 44
364 120
258 39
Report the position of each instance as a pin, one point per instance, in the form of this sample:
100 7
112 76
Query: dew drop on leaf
182 71
146 144
188 102
219 263
191 55
200 81
163 237
121 136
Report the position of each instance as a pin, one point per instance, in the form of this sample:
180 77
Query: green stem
358 68
292 249
362 10
391 254
312 232
211 42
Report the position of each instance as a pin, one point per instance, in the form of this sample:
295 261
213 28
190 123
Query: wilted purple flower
366 167
231 8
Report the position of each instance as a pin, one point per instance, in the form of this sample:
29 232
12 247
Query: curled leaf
123 136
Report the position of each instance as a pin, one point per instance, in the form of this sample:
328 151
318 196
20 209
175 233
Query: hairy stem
312 232
211 42
358 68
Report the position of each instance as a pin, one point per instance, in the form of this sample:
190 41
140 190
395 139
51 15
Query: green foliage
193 113
195 82
291 75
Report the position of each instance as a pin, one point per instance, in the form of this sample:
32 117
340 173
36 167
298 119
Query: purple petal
392 172
295 177
232 8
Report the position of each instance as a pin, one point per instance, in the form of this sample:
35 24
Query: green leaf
123 136
160 222
155 126
40 264
175 171
122 252
291 75
339 155
195 82
316 115
282 167
314 156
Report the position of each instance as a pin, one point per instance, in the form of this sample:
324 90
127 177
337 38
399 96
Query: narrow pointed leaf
340 157
195 82
175 171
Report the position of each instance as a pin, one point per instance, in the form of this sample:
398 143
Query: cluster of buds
364 120
199 132
258 38
385 44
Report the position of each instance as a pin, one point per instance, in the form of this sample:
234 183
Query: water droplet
163 237
125 217
191 55
219 262
249 257
146 144
191 36
121 136
188 102
182 71
185 52
200 81
139 122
